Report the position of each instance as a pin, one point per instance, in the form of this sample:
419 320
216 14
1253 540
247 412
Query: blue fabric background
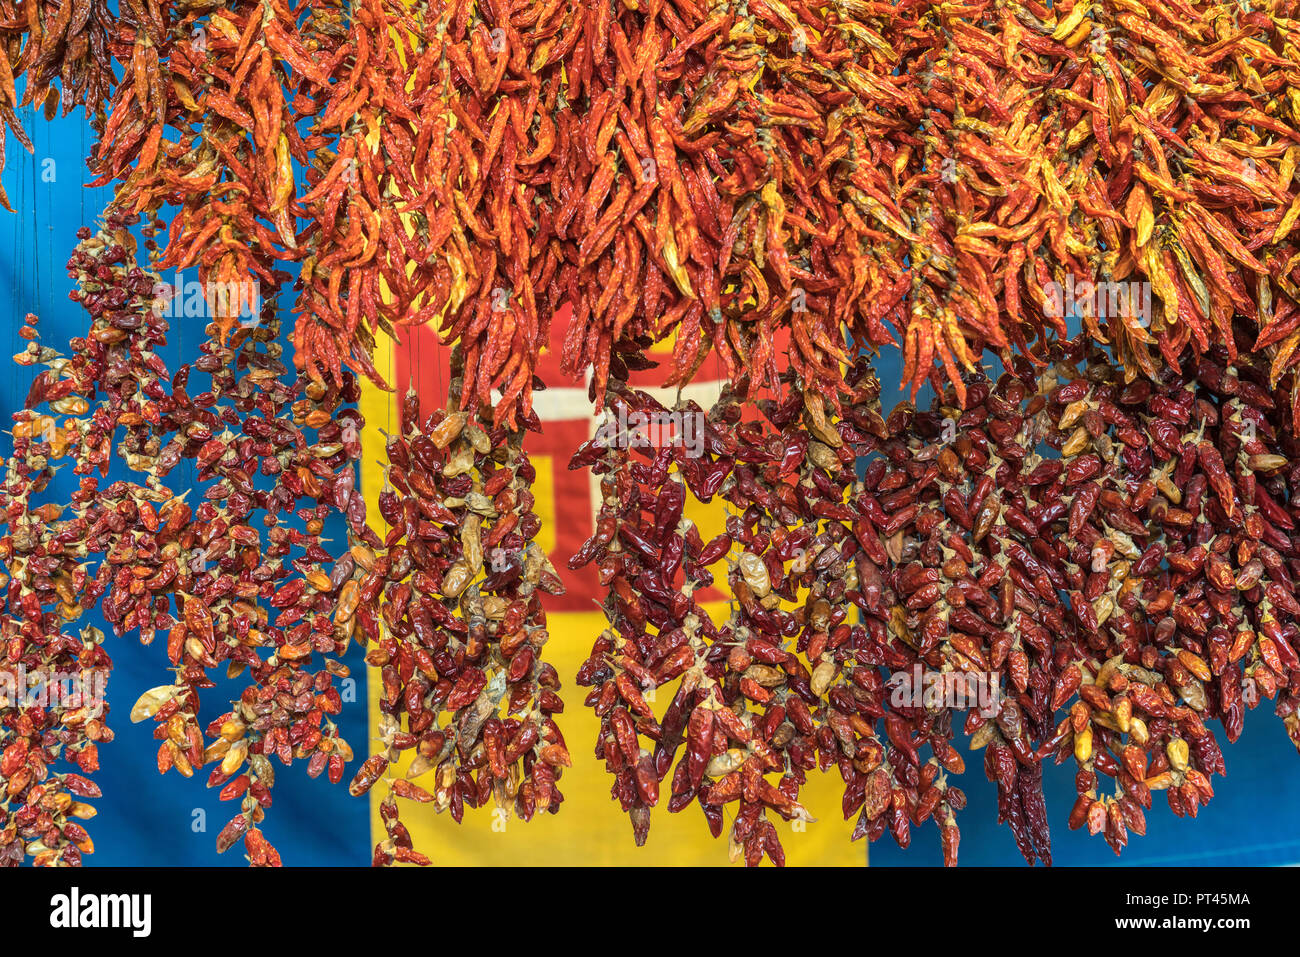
149 819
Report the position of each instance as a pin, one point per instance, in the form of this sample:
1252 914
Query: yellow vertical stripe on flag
377 407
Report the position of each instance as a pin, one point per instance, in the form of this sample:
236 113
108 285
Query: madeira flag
590 827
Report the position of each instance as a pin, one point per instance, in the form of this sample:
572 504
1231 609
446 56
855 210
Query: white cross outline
570 404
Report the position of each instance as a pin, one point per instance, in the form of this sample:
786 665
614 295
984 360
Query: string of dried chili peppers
451 606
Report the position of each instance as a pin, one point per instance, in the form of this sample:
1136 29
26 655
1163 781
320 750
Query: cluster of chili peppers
46 40
1179 562
45 547
714 161
451 605
1142 578
790 681
262 602
204 575
1027 143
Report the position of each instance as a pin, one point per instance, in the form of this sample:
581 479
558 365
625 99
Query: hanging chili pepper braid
1102 143
44 41
221 79
494 293
50 551
452 608
720 173
341 306
658 630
